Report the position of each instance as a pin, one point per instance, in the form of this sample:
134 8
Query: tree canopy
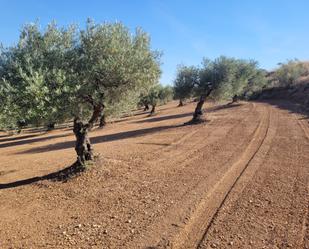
34 76
186 79
221 78
57 74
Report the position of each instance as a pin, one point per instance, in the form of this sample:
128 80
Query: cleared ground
240 180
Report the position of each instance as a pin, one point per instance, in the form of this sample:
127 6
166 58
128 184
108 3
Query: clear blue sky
269 31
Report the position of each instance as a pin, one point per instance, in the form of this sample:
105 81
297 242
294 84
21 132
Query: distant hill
288 82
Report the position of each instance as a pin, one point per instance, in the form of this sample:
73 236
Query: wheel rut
196 229
305 222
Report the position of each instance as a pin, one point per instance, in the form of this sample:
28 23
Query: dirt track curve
240 180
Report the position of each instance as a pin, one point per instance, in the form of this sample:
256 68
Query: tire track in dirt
183 156
269 212
199 186
303 127
305 222
247 174
194 232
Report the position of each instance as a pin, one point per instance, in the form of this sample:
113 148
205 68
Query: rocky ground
239 180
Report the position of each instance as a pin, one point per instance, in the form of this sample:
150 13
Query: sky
269 31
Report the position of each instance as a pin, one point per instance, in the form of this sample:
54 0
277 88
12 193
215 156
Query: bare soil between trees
239 180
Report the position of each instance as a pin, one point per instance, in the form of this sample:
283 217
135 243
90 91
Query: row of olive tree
156 95
221 78
62 73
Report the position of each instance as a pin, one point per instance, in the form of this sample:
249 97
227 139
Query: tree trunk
180 102
153 110
21 124
83 146
102 120
235 99
51 126
198 113
197 116
146 107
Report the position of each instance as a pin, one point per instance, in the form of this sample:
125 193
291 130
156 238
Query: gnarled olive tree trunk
198 113
146 108
102 122
83 147
51 126
180 102
153 110
235 99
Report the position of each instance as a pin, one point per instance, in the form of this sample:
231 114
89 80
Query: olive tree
34 74
165 94
184 82
223 78
58 74
156 95
152 98
109 58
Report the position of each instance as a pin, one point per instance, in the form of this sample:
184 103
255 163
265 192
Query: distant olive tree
165 94
184 83
156 95
221 78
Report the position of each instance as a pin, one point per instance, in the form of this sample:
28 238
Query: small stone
213 245
78 226
231 243
129 221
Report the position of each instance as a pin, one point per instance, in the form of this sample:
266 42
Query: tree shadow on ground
21 137
6 135
33 140
61 175
222 107
292 107
182 115
100 139
166 108
293 98
110 137
158 144
162 118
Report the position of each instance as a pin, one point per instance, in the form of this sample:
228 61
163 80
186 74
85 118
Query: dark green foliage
186 79
165 94
113 63
55 74
222 79
34 76
226 77
229 76
156 95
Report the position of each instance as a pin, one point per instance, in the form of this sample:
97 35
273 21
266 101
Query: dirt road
240 180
